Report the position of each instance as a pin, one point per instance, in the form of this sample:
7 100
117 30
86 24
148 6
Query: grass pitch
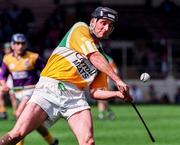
127 129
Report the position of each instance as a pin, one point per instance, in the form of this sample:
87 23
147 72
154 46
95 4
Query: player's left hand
5 88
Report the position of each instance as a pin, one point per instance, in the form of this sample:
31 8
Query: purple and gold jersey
24 71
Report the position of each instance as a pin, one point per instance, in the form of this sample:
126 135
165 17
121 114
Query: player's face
18 47
7 50
102 27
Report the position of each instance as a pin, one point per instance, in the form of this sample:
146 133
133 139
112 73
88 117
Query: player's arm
98 60
99 89
88 48
4 85
3 77
40 63
101 94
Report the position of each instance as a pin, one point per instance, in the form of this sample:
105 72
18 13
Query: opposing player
3 114
23 67
105 111
75 65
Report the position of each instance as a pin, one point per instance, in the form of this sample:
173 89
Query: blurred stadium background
146 38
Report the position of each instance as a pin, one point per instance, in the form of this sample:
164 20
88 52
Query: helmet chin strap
92 28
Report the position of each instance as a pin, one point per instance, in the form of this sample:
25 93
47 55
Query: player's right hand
5 88
122 87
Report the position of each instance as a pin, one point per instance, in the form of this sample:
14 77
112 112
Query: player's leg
111 86
47 135
101 109
18 112
3 113
13 102
31 118
21 106
105 110
41 129
82 126
111 114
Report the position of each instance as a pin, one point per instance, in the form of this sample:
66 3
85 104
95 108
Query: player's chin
103 36
100 36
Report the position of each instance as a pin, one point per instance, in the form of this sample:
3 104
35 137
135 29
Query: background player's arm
40 63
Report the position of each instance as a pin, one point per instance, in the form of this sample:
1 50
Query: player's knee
91 141
88 140
17 114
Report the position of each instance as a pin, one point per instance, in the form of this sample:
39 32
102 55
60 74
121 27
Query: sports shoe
101 116
3 115
111 116
55 142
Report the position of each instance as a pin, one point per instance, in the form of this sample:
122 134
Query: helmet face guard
105 12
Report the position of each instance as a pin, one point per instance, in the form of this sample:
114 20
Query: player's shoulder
32 54
8 56
80 26
81 29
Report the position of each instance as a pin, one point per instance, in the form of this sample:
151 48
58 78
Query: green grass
126 129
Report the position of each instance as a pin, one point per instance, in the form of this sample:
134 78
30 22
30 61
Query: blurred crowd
154 30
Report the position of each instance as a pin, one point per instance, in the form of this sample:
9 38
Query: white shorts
9 81
58 99
24 93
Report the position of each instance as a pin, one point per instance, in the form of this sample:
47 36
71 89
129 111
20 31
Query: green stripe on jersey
64 40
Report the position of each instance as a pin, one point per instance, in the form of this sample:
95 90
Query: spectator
165 99
152 95
25 19
168 7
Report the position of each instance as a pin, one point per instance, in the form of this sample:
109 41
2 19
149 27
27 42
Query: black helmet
105 12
